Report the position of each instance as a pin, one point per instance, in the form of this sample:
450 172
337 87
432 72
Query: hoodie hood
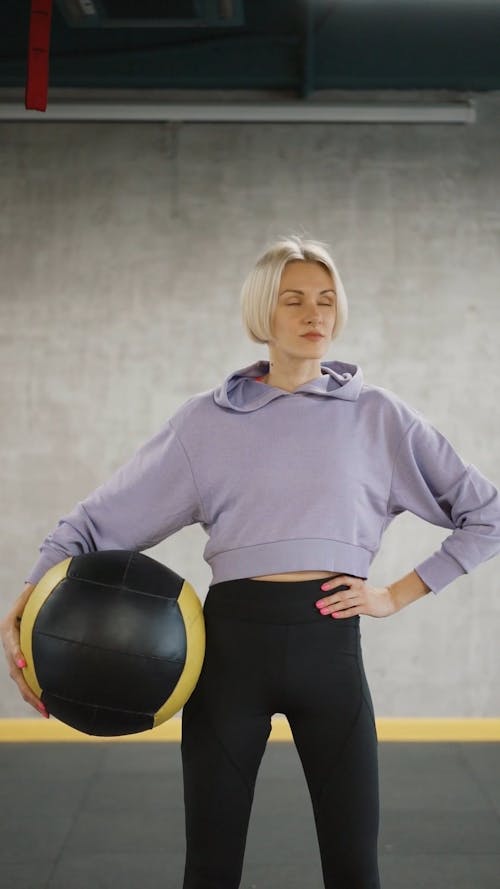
241 391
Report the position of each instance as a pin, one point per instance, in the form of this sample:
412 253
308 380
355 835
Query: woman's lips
313 336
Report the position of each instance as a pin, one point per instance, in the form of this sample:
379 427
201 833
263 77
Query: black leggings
269 650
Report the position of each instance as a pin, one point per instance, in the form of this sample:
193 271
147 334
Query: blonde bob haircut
259 293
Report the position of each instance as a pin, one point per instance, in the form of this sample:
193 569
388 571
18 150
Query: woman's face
297 313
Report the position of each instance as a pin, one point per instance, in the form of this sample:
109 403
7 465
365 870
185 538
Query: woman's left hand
360 598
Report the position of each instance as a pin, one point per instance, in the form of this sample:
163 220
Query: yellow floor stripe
388 729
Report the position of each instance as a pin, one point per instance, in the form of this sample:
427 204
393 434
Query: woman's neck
282 382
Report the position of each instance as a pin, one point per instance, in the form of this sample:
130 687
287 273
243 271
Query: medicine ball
114 642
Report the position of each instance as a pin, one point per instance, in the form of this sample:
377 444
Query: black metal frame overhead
152 13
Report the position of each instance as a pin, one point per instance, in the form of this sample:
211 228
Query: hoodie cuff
439 570
42 565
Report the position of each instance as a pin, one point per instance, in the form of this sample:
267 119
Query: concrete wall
124 247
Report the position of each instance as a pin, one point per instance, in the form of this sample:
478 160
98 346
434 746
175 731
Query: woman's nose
313 316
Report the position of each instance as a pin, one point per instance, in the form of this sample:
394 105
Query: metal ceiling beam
307 84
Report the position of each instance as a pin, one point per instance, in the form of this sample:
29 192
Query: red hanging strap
38 55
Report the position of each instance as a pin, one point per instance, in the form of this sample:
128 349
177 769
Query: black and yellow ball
114 642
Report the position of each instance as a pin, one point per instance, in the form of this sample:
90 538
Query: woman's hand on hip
359 598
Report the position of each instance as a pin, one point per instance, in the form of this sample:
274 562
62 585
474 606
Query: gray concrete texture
124 247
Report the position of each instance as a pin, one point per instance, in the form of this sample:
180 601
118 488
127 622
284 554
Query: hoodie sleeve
144 501
432 481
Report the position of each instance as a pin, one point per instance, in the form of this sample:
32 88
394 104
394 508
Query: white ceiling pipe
241 112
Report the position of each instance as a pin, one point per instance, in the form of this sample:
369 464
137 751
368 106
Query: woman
294 467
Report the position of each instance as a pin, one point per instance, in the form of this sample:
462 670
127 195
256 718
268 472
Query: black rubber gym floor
110 816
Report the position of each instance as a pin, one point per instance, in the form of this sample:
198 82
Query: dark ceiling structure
298 47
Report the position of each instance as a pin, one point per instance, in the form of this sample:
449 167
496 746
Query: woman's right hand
9 633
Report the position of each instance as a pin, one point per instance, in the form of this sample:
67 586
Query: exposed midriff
298 575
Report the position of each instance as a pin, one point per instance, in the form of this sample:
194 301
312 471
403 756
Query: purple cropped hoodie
289 481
